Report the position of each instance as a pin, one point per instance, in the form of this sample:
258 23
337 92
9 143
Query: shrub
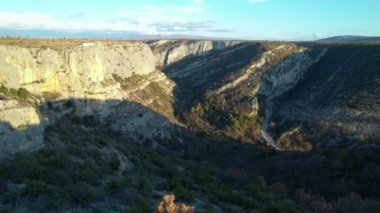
114 163
3 210
35 188
69 104
114 186
3 89
175 183
145 187
13 91
184 194
140 206
81 193
101 142
22 93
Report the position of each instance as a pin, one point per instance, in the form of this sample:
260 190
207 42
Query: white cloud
149 19
29 20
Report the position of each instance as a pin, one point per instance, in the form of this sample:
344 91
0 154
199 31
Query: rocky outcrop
288 73
73 72
167 52
253 68
139 122
21 128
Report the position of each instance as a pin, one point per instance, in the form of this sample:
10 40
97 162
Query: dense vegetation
83 165
86 164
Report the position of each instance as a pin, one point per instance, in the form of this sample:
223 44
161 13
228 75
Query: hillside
349 38
226 126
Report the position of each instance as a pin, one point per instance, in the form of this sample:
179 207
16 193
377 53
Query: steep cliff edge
170 51
73 71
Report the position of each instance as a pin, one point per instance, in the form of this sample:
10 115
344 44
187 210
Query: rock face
288 73
168 52
134 119
75 71
337 97
20 128
84 75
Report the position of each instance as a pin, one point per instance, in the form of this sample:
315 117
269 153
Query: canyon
290 97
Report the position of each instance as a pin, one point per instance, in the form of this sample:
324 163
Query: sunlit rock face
73 72
79 73
170 51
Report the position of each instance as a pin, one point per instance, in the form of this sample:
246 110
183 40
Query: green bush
140 206
114 163
3 210
175 183
3 89
102 142
22 93
81 193
145 187
36 188
184 194
114 186
13 92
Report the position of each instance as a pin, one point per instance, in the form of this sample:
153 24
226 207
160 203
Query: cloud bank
148 19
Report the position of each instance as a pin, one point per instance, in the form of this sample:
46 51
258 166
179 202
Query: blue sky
246 19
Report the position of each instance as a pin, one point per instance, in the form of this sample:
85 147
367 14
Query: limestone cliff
288 73
73 72
168 52
88 75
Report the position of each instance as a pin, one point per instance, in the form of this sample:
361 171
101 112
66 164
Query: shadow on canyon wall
131 118
195 75
342 88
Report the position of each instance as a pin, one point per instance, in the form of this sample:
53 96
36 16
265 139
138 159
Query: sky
240 19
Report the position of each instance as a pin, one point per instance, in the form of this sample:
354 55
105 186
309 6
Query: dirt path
264 126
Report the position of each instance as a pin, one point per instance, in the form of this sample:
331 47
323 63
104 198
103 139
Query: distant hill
349 38
98 34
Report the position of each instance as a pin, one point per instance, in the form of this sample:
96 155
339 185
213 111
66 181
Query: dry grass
56 44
